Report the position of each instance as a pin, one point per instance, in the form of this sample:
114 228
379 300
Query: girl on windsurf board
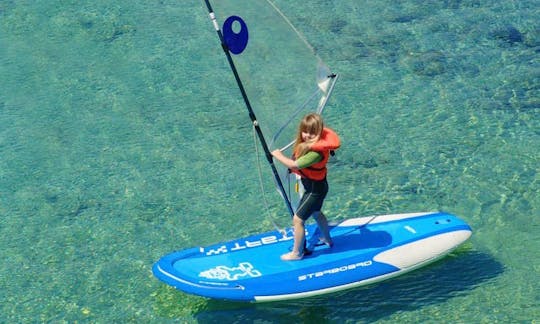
311 151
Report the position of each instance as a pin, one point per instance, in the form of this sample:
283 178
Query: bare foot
291 256
328 242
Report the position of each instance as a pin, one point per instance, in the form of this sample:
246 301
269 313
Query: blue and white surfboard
366 250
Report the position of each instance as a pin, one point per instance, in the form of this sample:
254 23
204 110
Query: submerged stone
508 34
403 19
429 63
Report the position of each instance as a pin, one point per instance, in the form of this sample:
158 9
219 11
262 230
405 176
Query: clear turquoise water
122 137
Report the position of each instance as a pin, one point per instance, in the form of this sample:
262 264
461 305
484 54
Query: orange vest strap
329 141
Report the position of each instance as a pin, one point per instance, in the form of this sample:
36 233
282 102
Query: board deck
366 250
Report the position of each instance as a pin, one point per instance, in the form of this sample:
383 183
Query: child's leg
322 222
299 238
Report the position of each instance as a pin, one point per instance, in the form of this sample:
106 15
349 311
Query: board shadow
455 275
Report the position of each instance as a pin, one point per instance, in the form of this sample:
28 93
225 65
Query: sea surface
123 137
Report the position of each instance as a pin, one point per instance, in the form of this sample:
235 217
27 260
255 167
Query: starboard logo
245 244
231 273
335 270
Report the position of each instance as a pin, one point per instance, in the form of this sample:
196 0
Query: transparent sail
282 75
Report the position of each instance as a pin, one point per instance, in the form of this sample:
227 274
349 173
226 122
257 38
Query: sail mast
250 110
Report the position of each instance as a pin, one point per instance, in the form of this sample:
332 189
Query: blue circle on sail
236 41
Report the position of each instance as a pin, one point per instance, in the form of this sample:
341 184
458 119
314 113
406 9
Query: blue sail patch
235 41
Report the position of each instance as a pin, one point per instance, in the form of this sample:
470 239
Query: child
310 155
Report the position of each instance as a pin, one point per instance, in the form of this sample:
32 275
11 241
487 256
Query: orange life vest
328 141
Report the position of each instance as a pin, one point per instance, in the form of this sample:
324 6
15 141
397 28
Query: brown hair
313 124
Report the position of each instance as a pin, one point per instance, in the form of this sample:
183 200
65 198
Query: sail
281 74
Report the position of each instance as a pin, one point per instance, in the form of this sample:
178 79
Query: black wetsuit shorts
313 197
